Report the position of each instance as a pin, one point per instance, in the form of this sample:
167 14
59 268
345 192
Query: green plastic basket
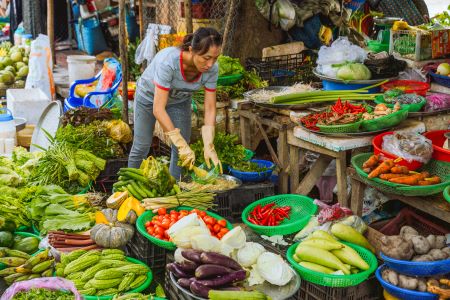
346 128
248 154
415 107
332 280
447 193
229 80
434 167
385 122
148 215
302 208
24 234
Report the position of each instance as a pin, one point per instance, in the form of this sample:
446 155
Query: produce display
229 66
67 242
269 214
21 266
44 294
218 184
83 115
397 95
12 207
101 273
321 96
409 146
10 241
410 245
13 65
388 170
248 166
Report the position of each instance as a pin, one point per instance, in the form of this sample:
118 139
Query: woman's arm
159 109
210 108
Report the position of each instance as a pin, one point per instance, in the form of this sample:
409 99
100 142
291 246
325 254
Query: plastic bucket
332 86
81 67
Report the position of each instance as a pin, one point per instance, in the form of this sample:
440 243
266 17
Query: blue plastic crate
255 176
440 79
90 37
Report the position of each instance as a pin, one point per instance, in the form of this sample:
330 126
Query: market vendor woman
164 93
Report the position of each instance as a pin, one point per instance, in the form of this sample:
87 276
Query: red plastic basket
408 86
438 139
377 143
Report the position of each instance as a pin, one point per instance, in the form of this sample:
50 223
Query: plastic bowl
414 107
417 268
254 176
302 208
385 122
333 280
447 194
408 86
438 139
402 293
377 143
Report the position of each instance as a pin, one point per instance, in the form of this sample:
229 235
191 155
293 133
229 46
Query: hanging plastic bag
148 47
409 146
49 283
41 67
286 11
119 131
111 74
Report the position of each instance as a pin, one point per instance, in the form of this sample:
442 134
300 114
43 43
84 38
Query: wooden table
248 134
433 205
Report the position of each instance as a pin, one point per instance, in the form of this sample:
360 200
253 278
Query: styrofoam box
27 103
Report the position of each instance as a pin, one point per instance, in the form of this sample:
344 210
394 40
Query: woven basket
352 127
388 121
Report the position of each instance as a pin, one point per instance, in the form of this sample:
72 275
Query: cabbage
248 255
353 71
205 242
274 269
235 238
183 237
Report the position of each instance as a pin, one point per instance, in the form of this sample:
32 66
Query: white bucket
81 67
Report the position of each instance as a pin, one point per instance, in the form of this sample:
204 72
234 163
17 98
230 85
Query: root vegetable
396 247
407 282
421 285
441 242
408 230
432 241
390 276
446 250
437 254
425 257
420 244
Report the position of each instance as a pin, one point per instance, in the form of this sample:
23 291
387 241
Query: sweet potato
407 282
408 230
396 247
420 244
432 240
421 284
441 242
446 250
438 254
424 257
390 276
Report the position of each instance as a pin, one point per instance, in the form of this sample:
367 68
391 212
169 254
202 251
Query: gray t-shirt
166 72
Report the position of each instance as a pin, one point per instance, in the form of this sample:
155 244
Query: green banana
17 253
37 259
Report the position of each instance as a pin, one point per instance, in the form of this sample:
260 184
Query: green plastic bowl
24 234
302 208
447 193
229 80
415 107
332 280
148 215
346 128
434 167
386 121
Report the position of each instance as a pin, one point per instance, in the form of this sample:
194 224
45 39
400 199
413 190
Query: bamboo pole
228 24
51 26
188 15
123 40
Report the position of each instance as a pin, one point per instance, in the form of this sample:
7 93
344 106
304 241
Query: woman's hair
201 40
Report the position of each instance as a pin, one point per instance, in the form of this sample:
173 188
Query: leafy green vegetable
13 206
44 294
229 66
248 166
228 151
156 170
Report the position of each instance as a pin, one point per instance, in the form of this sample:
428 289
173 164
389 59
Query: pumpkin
109 232
116 199
131 204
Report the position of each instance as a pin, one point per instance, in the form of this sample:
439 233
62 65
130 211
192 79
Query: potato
424 257
407 282
396 247
408 230
441 242
390 276
437 254
446 250
421 285
420 244
432 240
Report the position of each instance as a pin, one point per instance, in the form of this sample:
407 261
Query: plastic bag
409 146
331 213
119 131
356 222
437 101
148 47
111 73
41 67
283 13
341 51
50 283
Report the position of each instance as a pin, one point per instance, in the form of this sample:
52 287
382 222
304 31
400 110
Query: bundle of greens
85 115
9 177
91 137
12 205
157 172
44 294
248 166
228 151
229 66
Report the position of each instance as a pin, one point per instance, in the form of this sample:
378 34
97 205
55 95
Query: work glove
209 152
185 153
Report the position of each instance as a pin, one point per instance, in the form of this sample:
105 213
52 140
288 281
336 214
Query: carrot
390 176
430 181
367 170
400 170
408 180
371 162
382 168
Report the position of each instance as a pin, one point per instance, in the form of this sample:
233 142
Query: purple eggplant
172 267
186 282
199 289
187 266
192 255
224 280
208 271
219 259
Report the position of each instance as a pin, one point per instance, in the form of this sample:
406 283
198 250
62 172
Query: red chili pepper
267 207
251 220
283 213
257 211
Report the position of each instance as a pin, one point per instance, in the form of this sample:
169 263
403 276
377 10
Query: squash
131 217
115 200
100 218
130 204
112 233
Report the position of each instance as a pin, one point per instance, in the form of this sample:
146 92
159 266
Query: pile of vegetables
322 96
10 241
15 171
12 206
161 223
397 95
44 294
83 115
66 242
248 166
22 266
101 273
269 214
388 170
353 71
229 66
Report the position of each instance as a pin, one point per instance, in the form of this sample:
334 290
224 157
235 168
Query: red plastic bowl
438 139
377 143
408 86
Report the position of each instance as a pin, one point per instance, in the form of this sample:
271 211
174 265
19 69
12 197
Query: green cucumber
133 192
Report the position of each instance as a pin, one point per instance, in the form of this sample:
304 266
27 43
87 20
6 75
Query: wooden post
188 15
123 41
228 23
50 27
141 20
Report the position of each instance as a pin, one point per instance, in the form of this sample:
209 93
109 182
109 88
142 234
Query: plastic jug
7 128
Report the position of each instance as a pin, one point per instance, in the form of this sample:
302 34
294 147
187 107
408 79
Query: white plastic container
7 128
81 67
27 103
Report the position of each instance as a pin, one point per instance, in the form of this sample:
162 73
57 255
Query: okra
133 192
138 189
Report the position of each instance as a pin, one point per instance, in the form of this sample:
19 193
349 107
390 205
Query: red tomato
166 235
185 212
158 236
210 220
217 228
171 223
151 230
148 223
210 227
162 211
195 211
173 211
159 231
220 235
157 223
160 218
224 230
165 224
202 214
222 223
